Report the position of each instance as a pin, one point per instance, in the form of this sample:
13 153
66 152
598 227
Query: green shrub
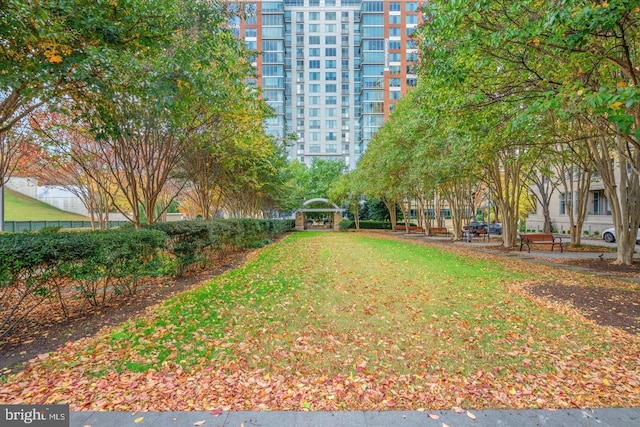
92 265
346 224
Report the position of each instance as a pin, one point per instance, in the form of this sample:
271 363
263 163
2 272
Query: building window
314 124
330 28
332 100
314 63
314 100
565 202
314 148
394 7
315 136
314 51
412 6
394 32
330 51
330 63
314 16
373 6
395 19
314 39
331 148
314 112
314 28
250 32
314 88
331 76
330 40
330 88
314 76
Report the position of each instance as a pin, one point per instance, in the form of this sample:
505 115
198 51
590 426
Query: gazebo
333 209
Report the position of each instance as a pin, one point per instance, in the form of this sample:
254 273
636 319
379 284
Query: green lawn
18 207
348 321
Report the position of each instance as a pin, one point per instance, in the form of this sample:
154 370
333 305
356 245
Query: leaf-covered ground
348 321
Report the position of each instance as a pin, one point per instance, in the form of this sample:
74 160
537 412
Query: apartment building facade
332 70
598 216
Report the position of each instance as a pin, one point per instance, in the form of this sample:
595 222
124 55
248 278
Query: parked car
495 228
474 227
609 235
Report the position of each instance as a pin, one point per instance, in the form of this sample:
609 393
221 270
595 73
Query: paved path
614 417
523 418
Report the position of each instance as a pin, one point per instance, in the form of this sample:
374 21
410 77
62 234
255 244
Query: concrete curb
614 417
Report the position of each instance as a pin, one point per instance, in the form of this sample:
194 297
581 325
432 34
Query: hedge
347 224
57 267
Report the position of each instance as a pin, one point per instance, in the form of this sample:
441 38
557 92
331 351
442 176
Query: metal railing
21 226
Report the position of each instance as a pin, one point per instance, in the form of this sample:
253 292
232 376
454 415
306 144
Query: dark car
495 228
475 227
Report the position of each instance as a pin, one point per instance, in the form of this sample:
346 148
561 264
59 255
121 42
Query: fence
20 226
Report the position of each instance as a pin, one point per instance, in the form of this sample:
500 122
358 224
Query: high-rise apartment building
331 69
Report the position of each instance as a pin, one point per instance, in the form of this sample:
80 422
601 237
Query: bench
540 239
438 230
411 228
470 235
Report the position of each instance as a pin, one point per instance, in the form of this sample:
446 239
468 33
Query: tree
55 48
152 104
575 59
320 177
347 190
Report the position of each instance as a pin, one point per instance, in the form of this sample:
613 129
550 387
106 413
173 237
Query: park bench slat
540 239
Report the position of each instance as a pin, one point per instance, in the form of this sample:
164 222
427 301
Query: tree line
136 104
517 99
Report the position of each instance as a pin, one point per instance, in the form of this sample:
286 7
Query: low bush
347 224
56 267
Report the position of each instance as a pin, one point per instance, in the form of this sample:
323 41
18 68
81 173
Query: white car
609 235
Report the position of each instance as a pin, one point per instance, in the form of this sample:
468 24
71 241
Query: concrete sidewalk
517 418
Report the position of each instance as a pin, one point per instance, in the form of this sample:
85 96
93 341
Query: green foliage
347 224
374 209
320 177
42 267
198 242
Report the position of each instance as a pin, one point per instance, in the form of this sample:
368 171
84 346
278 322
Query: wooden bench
438 230
470 235
411 228
540 239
